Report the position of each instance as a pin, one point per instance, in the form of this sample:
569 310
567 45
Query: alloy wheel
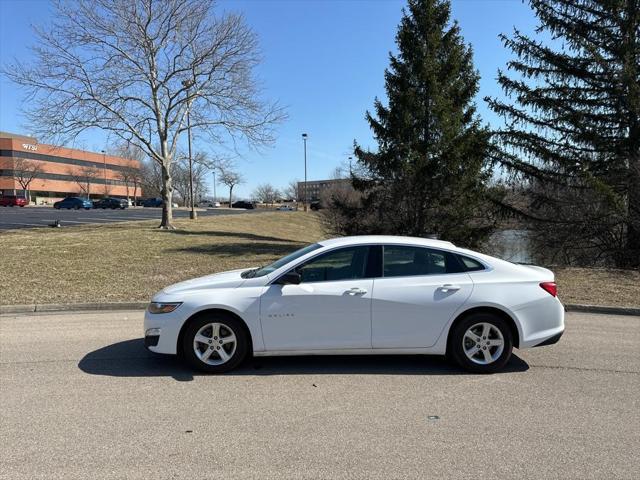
214 343
483 343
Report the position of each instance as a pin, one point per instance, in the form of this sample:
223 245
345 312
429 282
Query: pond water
512 245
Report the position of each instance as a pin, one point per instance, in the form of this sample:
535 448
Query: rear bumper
550 340
541 321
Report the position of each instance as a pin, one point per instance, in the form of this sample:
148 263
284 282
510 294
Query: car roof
387 239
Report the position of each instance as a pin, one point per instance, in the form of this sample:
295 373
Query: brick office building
64 171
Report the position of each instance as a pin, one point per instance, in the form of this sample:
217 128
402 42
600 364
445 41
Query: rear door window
407 261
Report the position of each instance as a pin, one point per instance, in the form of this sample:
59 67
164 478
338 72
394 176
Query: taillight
550 287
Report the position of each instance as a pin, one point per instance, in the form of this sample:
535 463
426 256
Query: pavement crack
583 369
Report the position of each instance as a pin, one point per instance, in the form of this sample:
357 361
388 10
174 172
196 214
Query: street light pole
214 185
104 161
188 84
350 169
304 139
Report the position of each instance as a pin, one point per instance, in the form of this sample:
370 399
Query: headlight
158 307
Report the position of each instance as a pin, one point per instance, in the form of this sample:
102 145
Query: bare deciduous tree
229 176
132 67
26 171
151 179
129 174
200 168
266 193
291 190
84 177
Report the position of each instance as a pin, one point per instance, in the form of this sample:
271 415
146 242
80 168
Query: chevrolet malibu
360 295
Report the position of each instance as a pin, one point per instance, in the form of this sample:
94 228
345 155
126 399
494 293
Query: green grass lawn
131 261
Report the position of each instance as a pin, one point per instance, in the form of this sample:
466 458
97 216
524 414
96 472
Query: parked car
315 206
152 202
13 201
112 203
243 204
285 208
355 295
208 203
75 203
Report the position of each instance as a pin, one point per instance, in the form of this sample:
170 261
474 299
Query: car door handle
356 291
448 287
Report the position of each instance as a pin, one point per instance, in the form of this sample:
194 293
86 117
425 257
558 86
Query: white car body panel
392 315
411 312
318 315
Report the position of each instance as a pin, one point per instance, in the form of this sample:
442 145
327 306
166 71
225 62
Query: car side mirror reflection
290 278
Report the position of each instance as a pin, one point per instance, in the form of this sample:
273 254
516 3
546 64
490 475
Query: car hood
229 279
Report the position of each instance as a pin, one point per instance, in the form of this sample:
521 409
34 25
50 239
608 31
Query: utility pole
304 139
188 84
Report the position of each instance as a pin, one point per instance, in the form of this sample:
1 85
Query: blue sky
323 59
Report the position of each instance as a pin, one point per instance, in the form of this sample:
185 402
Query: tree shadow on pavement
131 359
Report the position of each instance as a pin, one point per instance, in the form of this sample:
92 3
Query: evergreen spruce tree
429 172
572 130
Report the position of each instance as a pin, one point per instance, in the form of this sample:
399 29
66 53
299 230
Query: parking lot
82 398
30 217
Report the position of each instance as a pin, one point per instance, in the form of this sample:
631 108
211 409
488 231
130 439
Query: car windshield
266 270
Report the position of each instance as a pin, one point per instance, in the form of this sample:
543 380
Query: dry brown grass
598 286
131 261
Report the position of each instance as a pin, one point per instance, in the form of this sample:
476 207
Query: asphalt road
29 217
81 398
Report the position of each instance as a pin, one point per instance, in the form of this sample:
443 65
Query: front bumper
151 340
166 328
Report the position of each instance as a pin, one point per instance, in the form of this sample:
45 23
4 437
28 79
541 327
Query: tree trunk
230 191
633 229
167 190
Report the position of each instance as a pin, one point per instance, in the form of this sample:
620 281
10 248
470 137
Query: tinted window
470 264
343 264
403 261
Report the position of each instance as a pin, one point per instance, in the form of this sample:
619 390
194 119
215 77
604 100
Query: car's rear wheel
481 343
215 343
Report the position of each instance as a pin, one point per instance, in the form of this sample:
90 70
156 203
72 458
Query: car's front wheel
481 343
215 343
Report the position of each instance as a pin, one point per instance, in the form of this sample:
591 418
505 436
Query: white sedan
360 295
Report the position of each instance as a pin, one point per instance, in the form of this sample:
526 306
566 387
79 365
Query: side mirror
290 278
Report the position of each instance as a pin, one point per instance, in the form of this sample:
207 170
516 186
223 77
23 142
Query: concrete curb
80 307
602 309
73 307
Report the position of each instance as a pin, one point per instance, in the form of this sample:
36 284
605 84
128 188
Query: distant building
61 169
315 188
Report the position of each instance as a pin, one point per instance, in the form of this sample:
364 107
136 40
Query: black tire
229 324
457 349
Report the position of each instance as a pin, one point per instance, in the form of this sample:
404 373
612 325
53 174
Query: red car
12 201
